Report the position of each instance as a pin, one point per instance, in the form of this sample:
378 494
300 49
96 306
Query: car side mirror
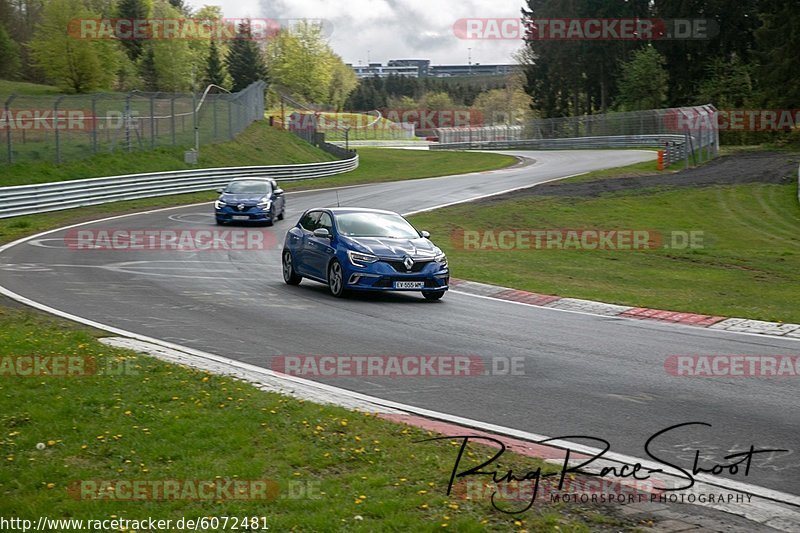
221 190
425 234
322 233
277 192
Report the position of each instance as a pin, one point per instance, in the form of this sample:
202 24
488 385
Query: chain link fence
71 127
684 133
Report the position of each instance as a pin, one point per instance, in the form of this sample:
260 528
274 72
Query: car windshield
375 225
248 187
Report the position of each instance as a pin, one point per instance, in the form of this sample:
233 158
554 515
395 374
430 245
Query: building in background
422 68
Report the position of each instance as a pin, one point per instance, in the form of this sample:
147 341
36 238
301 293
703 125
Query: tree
343 82
133 10
299 59
644 81
75 65
778 42
214 73
244 61
727 84
9 56
172 59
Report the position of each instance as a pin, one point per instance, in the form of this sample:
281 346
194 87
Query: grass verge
137 418
748 259
259 144
376 165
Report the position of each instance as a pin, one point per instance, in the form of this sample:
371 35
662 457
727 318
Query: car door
318 249
278 199
300 243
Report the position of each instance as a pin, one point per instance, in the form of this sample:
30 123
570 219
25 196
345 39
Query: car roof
253 179
341 210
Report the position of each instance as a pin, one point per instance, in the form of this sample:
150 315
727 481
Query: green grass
143 419
258 145
7 88
749 262
645 168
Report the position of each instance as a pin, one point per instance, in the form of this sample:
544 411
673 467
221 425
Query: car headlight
264 205
219 204
441 259
358 259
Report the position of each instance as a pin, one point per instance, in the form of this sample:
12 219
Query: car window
249 187
325 222
370 224
309 220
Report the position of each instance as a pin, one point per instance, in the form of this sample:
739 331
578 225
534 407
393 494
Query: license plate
240 217
409 284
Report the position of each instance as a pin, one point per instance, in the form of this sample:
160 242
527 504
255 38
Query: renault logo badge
408 262
240 207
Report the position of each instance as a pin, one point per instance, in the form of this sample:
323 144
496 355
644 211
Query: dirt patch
761 167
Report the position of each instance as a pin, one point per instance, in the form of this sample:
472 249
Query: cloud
380 30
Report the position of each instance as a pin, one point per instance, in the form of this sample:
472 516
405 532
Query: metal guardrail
45 197
578 143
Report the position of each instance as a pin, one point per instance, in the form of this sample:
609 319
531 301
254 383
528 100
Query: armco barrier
578 143
41 198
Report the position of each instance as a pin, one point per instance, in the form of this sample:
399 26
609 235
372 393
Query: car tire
219 222
336 279
290 276
433 295
271 218
280 216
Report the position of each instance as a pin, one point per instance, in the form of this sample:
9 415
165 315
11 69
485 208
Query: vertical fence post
172 117
94 124
127 119
214 113
56 129
152 122
230 117
8 119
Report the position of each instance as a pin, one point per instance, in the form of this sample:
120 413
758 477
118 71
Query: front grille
398 265
245 210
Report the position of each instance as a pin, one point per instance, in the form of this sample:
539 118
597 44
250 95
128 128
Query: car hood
419 248
242 198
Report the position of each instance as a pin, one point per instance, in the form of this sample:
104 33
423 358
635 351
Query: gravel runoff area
759 167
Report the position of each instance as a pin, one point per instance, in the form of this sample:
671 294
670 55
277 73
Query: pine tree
244 61
133 10
215 73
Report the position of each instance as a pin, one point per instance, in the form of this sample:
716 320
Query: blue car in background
250 200
351 248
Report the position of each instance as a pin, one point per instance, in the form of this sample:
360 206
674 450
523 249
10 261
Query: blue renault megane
351 248
250 200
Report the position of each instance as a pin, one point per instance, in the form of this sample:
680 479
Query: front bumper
381 276
253 214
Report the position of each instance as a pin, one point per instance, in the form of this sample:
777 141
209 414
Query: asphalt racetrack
583 374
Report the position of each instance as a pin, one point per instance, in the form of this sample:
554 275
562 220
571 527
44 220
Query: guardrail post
8 119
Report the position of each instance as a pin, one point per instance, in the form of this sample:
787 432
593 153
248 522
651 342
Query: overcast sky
390 29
